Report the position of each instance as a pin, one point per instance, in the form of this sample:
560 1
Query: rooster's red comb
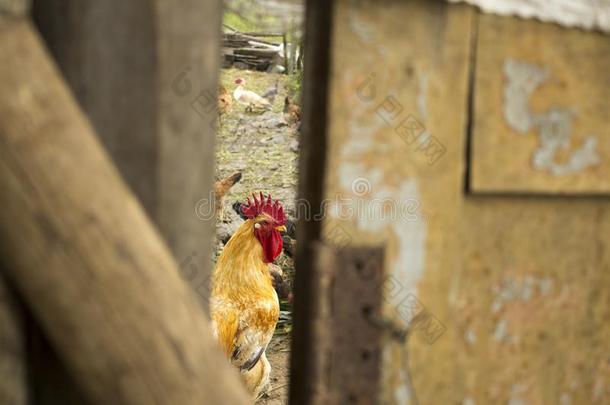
264 205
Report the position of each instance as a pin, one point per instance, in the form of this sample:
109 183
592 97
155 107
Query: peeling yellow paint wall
521 285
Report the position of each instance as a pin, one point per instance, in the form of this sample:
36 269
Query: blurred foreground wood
146 75
83 255
13 386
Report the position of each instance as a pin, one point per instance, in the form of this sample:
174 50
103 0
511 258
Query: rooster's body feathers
245 306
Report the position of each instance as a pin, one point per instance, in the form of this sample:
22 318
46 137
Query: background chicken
225 102
248 98
290 246
221 188
280 284
270 94
244 306
292 111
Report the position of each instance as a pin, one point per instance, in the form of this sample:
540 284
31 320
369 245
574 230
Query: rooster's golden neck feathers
241 264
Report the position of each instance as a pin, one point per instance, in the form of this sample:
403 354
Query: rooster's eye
257 226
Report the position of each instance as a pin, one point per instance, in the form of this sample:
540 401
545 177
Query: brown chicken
290 246
280 284
244 306
225 102
292 111
221 187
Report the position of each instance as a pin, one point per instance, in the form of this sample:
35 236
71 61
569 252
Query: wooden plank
146 74
263 34
305 373
258 52
540 118
238 36
396 143
520 282
83 255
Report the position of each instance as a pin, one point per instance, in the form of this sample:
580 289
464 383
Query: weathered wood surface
320 329
356 324
345 362
307 374
396 139
81 252
49 380
14 8
146 74
540 113
520 282
249 50
13 382
263 53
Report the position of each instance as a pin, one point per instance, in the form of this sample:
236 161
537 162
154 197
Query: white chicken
249 98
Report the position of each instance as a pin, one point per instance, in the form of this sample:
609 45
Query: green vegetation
238 22
294 85
244 145
243 24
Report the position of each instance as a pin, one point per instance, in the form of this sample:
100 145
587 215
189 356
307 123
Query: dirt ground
278 354
265 149
262 146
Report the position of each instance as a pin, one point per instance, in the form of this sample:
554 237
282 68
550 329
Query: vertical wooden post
146 73
303 370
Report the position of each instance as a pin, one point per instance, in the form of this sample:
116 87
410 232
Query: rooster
292 111
221 188
244 306
249 98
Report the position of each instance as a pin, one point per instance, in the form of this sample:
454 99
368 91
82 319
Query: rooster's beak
281 228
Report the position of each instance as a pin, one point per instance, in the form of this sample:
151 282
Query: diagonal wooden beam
82 253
